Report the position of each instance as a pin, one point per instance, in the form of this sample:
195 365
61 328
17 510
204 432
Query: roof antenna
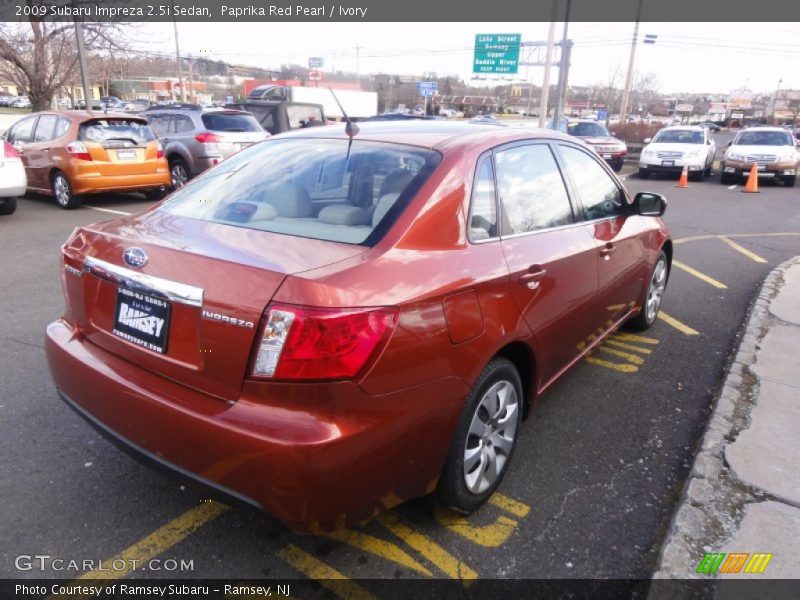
351 129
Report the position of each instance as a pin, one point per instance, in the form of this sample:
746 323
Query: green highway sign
496 53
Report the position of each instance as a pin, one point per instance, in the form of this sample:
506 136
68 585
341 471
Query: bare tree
40 57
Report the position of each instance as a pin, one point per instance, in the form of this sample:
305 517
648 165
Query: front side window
303 116
44 128
531 191
596 190
309 188
22 132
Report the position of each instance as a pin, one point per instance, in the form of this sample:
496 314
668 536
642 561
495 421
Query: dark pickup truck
279 116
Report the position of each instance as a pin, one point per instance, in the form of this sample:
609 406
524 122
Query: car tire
697 176
156 194
725 178
8 206
708 170
653 295
62 191
789 181
179 172
643 173
474 467
617 166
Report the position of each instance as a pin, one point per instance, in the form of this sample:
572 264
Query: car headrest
290 200
395 182
384 204
343 214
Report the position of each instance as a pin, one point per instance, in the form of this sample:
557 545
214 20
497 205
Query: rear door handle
532 278
607 250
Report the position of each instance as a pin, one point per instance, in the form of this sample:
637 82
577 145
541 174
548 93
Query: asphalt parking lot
598 470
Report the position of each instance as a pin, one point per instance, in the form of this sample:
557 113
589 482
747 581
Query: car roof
683 128
85 115
432 134
764 128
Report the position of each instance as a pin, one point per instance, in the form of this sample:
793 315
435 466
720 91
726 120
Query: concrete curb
713 500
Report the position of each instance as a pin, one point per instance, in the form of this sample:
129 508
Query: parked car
196 138
95 104
12 178
71 153
5 99
396 116
111 103
137 106
19 102
610 148
316 315
711 126
672 148
451 113
773 149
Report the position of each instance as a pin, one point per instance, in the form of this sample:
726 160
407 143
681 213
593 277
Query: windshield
764 138
586 129
678 136
222 121
309 188
107 130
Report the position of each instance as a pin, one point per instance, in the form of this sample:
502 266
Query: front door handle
607 250
532 278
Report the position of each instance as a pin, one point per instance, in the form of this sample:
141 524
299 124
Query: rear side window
309 188
230 122
483 212
531 190
62 127
303 116
115 130
599 195
183 124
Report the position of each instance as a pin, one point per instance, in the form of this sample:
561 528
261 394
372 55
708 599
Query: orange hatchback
71 153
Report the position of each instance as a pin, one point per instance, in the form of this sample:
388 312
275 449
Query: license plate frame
142 319
126 154
667 163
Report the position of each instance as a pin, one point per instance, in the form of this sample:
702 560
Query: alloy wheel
656 290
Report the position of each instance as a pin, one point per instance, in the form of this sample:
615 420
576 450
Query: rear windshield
586 129
679 136
230 122
309 188
115 130
764 138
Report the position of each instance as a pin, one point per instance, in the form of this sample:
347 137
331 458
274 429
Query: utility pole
191 77
178 58
87 88
558 109
629 77
551 34
775 100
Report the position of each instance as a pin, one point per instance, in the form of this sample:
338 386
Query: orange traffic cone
751 187
683 182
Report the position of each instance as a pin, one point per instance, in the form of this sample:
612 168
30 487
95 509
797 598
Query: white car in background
13 181
673 148
772 149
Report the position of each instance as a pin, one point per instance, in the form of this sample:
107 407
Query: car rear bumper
317 456
13 181
96 183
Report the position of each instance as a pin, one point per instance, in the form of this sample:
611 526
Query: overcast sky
690 57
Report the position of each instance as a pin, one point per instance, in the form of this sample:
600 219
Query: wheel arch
521 356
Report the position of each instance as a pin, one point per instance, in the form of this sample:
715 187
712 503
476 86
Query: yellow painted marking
160 540
514 507
677 324
615 307
492 535
751 255
328 577
758 563
700 276
696 238
432 551
611 342
632 358
622 368
632 337
379 547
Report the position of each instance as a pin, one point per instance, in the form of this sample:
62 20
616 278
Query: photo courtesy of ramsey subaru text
71 153
334 321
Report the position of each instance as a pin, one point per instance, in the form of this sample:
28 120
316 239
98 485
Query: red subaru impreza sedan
325 325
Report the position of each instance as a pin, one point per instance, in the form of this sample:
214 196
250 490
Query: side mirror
729 143
648 140
649 204
614 134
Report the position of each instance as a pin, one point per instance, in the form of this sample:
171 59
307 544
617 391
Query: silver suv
196 138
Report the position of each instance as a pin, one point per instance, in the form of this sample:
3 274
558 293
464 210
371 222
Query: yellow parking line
379 547
515 507
751 255
611 342
622 368
160 540
697 238
699 275
438 556
325 575
631 358
677 324
632 337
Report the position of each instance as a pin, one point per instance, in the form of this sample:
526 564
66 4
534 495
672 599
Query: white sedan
674 148
13 181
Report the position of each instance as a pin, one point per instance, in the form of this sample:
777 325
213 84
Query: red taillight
207 138
320 343
78 150
159 150
10 151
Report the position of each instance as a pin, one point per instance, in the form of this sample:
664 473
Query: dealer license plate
142 320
